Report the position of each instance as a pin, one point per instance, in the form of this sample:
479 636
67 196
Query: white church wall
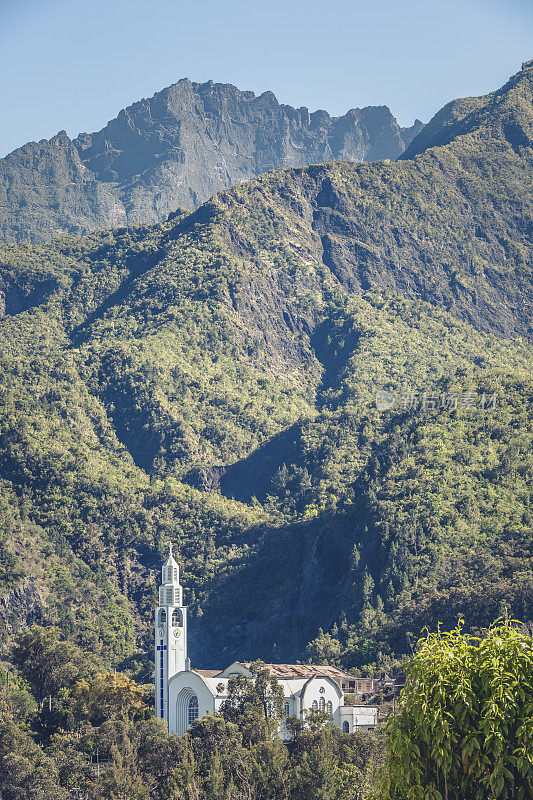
182 688
319 693
219 702
235 669
292 686
353 718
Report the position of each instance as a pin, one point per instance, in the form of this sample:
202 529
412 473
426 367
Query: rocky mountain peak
176 149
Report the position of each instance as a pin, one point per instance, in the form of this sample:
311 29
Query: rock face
176 149
24 602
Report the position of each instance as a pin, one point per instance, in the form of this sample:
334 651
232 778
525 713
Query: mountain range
176 148
317 385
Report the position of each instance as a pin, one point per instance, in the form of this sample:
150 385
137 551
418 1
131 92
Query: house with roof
183 694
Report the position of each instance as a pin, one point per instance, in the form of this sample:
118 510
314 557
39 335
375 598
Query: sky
72 65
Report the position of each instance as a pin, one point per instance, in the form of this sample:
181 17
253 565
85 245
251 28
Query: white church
183 695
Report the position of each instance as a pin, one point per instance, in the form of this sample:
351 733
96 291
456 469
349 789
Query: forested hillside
212 381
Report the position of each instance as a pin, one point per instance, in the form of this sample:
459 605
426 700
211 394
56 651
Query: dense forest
213 381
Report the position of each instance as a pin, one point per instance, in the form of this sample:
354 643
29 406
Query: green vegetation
462 731
464 728
100 739
445 501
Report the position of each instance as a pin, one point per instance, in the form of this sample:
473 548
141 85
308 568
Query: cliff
175 149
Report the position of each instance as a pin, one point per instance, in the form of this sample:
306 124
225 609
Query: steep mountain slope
212 380
176 149
505 112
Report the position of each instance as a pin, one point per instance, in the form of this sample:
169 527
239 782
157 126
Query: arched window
322 704
176 618
314 705
329 708
346 727
193 709
286 709
162 617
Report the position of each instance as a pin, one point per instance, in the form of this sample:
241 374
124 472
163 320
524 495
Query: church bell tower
170 634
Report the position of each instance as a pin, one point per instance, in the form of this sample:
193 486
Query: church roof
287 671
209 673
303 671
292 678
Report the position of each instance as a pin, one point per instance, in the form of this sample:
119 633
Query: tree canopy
464 729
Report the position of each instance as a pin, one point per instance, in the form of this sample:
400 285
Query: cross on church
161 647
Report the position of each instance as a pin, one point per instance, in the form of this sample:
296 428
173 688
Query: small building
366 687
183 694
390 684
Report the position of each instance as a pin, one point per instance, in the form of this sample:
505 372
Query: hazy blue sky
73 65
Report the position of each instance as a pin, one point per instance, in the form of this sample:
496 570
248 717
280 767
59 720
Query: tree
108 695
16 702
324 649
123 781
47 663
218 766
465 726
330 765
316 774
254 703
25 771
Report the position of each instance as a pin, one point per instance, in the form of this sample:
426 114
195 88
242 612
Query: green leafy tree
108 695
17 703
25 770
124 780
255 703
316 776
465 726
324 649
329 765
217 765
